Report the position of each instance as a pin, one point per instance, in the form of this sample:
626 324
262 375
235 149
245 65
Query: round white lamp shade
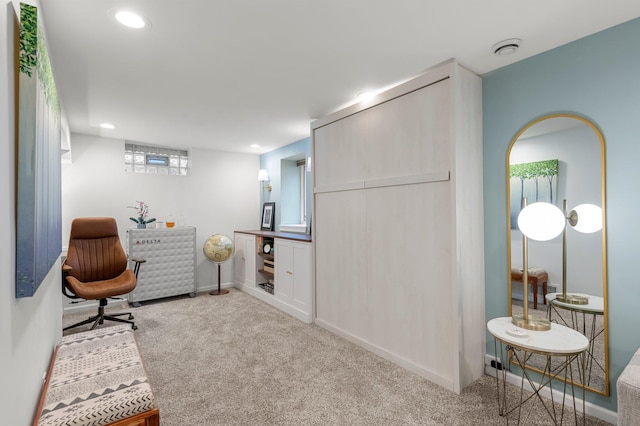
541 221
589 218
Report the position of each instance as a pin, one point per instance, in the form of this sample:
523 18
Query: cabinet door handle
289 272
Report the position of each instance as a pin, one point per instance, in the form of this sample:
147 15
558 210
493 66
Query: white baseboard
92 305
273 301
445 382
589 407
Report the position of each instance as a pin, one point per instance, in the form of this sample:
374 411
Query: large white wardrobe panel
339 263
398 225
409 262
423 117
346 145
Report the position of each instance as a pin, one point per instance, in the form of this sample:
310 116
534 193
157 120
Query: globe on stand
218 249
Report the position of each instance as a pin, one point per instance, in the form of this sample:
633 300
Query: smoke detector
507 47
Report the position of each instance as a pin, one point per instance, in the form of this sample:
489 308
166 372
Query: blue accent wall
272 162
597 77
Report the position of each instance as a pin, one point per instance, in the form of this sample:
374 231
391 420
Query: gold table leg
548 375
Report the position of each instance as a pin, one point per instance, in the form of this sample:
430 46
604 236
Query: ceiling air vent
507 47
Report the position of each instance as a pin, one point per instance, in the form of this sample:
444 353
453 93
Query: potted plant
142 211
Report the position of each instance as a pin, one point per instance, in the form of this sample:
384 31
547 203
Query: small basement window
158 160
155 160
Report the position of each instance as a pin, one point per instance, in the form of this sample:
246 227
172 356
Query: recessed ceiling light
507 47
107 126
365 95
254 145
131 19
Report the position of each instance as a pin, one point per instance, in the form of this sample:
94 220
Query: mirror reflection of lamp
540 222
584 218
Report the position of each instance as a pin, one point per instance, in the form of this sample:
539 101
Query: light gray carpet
234 360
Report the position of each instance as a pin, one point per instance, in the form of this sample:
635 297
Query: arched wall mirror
556 158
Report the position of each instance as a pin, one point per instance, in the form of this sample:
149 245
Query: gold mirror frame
600 137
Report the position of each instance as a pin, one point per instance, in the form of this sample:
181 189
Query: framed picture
38 170
538 181
268 216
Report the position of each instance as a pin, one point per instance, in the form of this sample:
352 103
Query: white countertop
595 304
559 340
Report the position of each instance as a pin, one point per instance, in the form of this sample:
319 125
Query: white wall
220 194
29 327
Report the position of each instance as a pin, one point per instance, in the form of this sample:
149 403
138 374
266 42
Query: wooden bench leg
534 287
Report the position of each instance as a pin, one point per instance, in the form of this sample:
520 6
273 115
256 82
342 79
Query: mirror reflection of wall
577 149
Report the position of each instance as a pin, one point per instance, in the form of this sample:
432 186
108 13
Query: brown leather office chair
96 267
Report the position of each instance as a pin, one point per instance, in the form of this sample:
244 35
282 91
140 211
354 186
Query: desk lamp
584 218
541 222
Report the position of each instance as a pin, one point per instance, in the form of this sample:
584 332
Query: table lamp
541 222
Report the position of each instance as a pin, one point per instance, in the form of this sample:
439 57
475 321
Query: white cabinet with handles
291 285
293 274
244 260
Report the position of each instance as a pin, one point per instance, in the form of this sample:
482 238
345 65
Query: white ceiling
224 74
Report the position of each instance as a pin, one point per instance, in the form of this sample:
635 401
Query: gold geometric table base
548 375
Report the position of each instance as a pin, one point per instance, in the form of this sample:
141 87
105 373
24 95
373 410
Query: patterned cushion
532 271
97 378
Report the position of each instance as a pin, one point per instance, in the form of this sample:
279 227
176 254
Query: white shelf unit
292 288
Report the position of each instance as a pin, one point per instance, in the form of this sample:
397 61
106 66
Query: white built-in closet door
409 289
342 151
383 229
341 265
409 135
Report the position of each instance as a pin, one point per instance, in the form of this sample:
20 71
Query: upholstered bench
628 386
536 276
97 378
